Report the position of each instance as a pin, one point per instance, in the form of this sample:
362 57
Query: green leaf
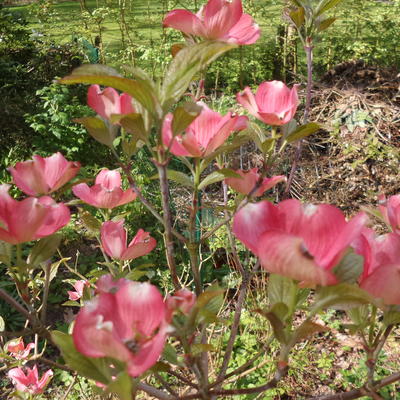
297 16
122 386
218 176
188 62
277 324
44 249
96 70
91 223
134 124
303 131
98 129
359 315
170 354
282 289
325 24
392 317
199 348
350 268
326 5
306 329
184 116
340 297
88 367
180 177
5 252
210 293
139 90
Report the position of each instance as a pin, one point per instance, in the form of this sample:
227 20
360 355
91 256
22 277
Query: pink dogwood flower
249 179
220 20
31 218
381 274
182 300
303 242
17 348
79 286
29 383
390 209
114 238
274 103
108 102
43 175
127 324
107 191
204 135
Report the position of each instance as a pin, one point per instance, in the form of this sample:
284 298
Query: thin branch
147 204
182 378
357 393
169 243
165 384
152 391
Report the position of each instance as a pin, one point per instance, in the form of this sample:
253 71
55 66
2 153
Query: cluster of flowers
306 243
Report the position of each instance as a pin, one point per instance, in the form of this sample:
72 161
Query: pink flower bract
381 275
249 179
274 103
31 218
204 135
107 102
29 383
303 242
18 350
128 324
218 20
79 286
43 175
114 238
107 191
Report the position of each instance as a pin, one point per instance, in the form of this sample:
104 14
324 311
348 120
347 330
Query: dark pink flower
204 135
381 274
79 286
127 324
249 179
107 191
303 242
390 209
182 300
218 20
109 102
31 218
18 350
274 103
114 238
43 175
30 382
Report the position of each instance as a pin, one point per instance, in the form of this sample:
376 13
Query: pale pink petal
247 100
185 21
126 104
287 255
140 245
221 16
73 296
113 238
107 284
58 215
96 332
45 379
169 141
384 283
253 220
58 171
109 179
141 307
104 102
148 354
246 31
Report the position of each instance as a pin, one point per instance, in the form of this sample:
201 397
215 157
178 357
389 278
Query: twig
165 384
182 378
357 393
69 388
152 391
169 243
